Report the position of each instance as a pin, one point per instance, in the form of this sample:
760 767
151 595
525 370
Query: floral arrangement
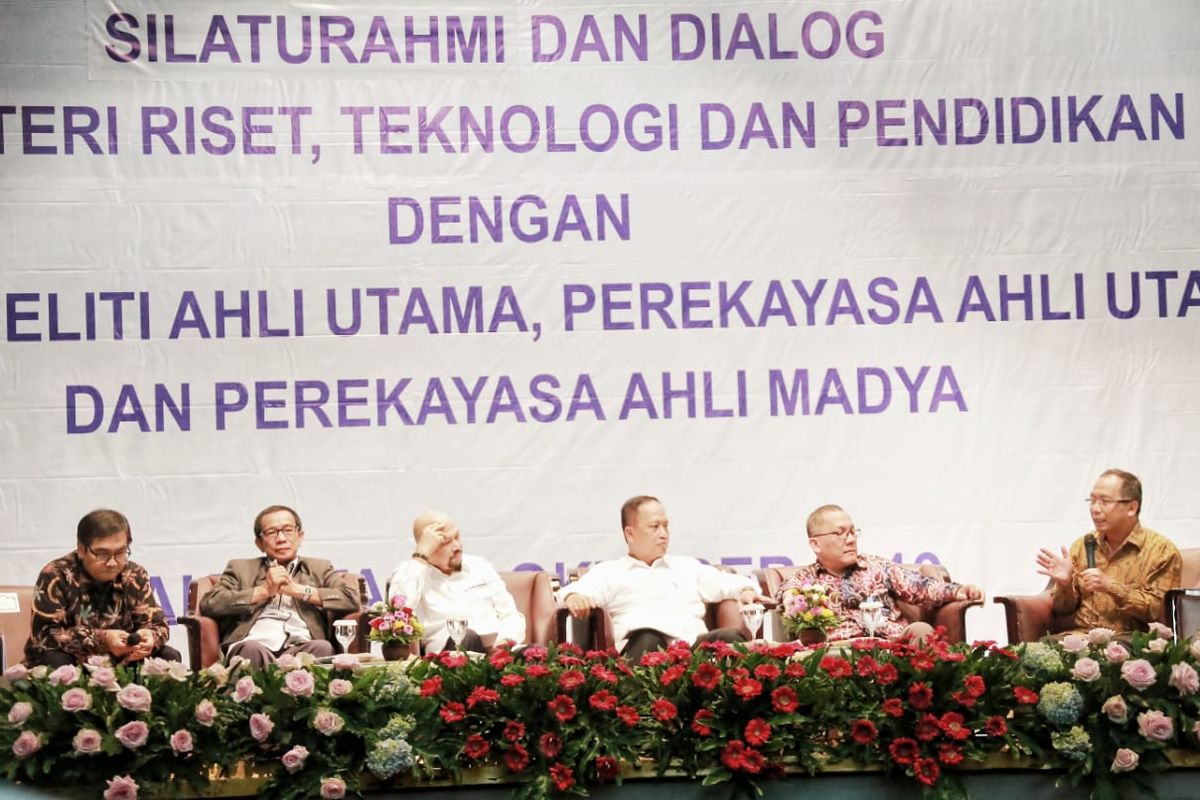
559 720
393 622
807 608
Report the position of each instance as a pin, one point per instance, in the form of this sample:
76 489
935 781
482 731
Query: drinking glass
872 615
456 627
344 630
752 617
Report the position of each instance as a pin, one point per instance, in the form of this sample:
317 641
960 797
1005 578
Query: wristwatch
308 592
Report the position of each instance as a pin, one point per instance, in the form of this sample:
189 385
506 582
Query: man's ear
815 545
628 533
258 542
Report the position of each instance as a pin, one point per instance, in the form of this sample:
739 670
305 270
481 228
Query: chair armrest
1182 611
204 640
593 632
953 617
360 643
1028 616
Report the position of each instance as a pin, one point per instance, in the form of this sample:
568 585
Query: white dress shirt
667 596
476 592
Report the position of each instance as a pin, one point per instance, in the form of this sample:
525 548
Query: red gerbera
571 679
836 666
562 707
671 674
927 728
995 726
698 722
975 685
603 700
511 679
537 670
476 747
655 658
747 688
922 662
758 732
767 672
431 686
663 710
950 754
736 756
602 673
707 676
551 744
904 750
927 771
736 674
952 725
516 759
514 731
452 659
535 652
1025 697
886 674
500 658
453 712
795 670
893 707
628 715
482 694
784 700
920 696
863 731
607 769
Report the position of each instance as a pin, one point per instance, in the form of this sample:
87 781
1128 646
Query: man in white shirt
440 583
652 598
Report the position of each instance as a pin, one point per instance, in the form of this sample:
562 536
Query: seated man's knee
255 652
318 648
642 641
730 635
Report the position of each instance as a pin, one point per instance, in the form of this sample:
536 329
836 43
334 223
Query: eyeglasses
842 534
1104 502
105 556
283 530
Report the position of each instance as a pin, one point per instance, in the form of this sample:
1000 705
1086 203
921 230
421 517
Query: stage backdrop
936 262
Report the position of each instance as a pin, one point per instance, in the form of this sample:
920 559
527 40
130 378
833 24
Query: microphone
1089 545
133 639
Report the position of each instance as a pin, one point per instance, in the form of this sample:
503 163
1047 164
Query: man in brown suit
279 603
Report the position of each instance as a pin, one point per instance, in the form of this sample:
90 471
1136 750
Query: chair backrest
1190 577
776 576
534 597
16 619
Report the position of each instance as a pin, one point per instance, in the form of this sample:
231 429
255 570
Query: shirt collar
1136 539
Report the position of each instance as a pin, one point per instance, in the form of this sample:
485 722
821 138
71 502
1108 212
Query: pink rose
218 672
287 661
121 788
1086 670
260 726
1074 643
206 712
19 712
293 760
347 661
1138 673
340 687
328 722
98 660
155 667
244 689
1116 710
17 672
1100 636
27 744
1126 760
1115 652
333 788
178 672
132 734
67 673
299 683
87 741
1155 725
135 697
1184 679
1161 631
1157 645
105 678
181 741
76 699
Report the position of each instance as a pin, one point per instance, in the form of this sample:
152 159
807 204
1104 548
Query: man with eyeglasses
95 601
853 577
278 603
1134 566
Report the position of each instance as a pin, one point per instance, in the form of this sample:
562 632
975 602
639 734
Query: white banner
936 262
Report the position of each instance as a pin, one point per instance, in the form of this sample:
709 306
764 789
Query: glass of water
344 630
872 615
752 617
456 627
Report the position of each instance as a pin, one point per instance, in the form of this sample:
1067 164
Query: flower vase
395 651
811 636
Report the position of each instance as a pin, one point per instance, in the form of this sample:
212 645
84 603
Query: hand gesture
968 592
433 538
277 578
115 641
1093 580
579 605
143 648
1059 568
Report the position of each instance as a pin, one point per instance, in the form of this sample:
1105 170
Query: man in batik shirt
852 578
95 601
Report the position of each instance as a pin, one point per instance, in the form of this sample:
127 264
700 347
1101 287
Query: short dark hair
1131 486
630 507
272 510
814 516
100 523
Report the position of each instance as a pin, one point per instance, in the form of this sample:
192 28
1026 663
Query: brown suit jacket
229 600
